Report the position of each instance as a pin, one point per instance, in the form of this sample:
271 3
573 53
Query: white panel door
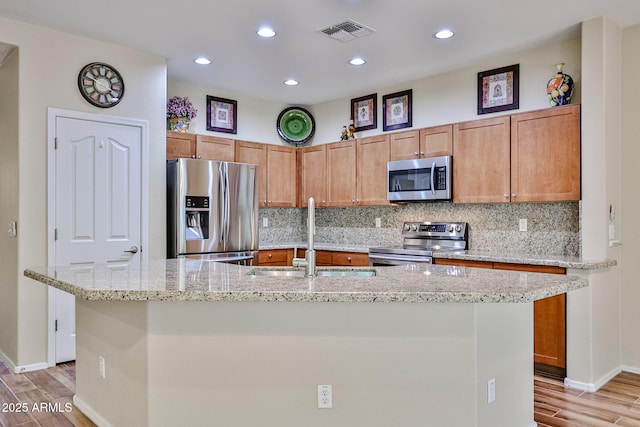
97 207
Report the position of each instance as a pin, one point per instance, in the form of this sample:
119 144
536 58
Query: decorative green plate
295 125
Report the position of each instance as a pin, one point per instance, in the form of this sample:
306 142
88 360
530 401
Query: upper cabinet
341 173
526 157
481 161
372 155
215 148
545 155
356 171
180 144
427 142
312 173
276 171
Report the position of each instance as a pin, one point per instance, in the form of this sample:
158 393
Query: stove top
421 239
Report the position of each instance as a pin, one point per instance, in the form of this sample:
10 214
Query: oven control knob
407 227
458 228
450 228
414 227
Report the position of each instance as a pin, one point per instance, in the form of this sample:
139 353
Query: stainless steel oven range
419 241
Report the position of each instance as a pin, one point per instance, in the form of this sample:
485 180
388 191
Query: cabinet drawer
350 258
276 256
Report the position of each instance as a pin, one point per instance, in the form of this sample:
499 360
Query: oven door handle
399 258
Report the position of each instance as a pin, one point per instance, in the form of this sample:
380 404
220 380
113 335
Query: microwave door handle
433 172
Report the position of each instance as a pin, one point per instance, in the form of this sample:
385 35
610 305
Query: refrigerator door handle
224 183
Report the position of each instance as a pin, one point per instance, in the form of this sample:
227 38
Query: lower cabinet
284 257
337 258
275 257
549 317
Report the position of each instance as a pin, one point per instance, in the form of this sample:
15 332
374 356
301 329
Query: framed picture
222 114
364 111
396 110
498 89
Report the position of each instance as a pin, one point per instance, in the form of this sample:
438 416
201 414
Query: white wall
9 205
630 206
445 98
48 78
593 319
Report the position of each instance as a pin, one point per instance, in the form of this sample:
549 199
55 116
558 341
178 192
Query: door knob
132 250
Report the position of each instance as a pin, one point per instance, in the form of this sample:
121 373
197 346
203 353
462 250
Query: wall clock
101 84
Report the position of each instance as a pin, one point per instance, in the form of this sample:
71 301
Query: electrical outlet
101 367
378 223
265 222
523 224
325 396
491 390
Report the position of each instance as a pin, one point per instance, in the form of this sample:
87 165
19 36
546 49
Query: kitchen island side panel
253 363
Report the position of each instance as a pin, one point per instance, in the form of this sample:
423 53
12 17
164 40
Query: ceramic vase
560 88
179 125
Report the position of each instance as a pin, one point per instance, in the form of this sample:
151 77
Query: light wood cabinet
312 175
549 317
545 155
215 148
481 161
275 257
281 176
526 157
427 142
341 173
436 141
276 172
372 155
338 258
357 171
404 145
180 144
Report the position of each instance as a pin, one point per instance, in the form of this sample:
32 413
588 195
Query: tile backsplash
552 228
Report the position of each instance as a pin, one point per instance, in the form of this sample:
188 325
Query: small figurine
344 135
352 129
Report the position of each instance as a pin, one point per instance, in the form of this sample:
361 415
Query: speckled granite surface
197 280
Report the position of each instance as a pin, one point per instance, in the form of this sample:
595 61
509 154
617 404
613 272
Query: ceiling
401 48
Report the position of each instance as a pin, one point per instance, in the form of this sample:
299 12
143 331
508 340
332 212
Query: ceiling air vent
347 30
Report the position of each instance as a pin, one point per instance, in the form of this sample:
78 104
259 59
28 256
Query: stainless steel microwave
425 179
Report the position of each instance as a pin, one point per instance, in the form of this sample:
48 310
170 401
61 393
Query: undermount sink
293 272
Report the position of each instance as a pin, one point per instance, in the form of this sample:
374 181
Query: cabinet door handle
506 196
270 255
513 194
349 258
416 154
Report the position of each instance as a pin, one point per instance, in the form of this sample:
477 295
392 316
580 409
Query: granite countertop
198 280
471 255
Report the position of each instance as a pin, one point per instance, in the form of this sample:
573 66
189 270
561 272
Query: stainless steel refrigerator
212 210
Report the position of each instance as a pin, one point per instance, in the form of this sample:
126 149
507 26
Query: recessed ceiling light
443 34
357 61
266 32
291 82
202 61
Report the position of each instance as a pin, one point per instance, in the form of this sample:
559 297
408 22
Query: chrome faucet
309 260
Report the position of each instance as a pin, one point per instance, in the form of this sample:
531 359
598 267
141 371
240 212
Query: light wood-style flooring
40 398
616 404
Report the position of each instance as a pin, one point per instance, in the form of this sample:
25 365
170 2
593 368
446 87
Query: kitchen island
187 342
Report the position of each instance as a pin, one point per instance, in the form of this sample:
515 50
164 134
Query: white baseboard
20 369
90 413
631 369
593 387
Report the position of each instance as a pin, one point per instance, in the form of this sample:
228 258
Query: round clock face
101 84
